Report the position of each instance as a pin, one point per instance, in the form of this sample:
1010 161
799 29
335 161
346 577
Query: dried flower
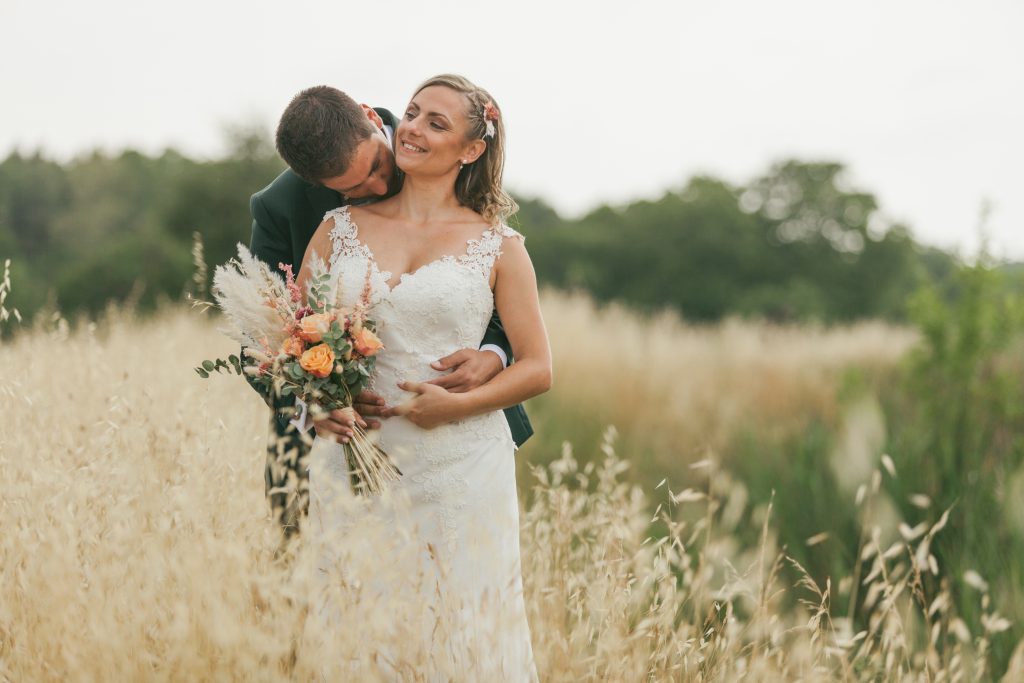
290 284
293 346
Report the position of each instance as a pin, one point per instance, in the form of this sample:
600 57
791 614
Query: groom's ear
374 117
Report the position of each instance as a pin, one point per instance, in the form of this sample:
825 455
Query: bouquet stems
370 468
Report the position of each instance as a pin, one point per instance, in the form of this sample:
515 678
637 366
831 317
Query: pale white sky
604 101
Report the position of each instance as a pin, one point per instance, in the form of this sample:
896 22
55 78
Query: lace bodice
443 306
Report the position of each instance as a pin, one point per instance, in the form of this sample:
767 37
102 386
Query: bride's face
431 139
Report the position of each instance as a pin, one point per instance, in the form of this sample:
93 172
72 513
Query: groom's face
370 173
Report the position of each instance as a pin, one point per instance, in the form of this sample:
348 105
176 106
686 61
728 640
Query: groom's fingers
451 360
369 409
369 404
471 368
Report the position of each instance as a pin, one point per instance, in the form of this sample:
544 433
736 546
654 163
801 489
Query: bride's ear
473 151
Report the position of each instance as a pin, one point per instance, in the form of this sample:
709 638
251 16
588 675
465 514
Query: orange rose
318 360
293 347
312 328
366 342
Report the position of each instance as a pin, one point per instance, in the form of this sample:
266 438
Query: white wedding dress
455 511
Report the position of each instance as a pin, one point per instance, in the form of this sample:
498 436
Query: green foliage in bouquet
308 345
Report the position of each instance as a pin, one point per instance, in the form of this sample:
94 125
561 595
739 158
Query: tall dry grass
676 391
136 542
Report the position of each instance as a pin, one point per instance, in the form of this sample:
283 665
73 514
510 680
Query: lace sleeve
509 233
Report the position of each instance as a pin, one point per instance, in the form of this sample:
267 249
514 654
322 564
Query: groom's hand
369 405
470 369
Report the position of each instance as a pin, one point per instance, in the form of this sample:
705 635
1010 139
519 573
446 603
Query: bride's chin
415 170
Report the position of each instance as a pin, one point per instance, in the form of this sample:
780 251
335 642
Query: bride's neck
423 200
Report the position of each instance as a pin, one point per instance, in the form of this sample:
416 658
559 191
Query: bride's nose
411 126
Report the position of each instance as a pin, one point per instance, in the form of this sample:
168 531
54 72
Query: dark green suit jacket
286 213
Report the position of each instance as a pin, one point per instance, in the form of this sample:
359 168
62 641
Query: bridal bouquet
307 346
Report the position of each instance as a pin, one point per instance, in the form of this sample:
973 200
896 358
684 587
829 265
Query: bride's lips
410 147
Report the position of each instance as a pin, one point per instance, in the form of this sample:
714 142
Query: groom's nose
378 186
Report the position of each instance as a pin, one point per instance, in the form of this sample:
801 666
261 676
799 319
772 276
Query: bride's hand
337 425
430 407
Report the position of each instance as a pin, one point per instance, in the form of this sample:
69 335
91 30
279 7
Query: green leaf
208 366
236 364
202 373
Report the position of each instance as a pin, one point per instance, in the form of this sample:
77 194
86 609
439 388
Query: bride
438 259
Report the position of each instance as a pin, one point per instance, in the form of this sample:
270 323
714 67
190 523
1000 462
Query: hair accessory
490 116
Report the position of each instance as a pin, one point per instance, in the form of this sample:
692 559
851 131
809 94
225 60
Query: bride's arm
319 247
515 296
336 424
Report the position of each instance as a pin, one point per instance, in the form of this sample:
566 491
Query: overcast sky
604 101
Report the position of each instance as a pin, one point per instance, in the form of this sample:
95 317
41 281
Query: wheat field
137 544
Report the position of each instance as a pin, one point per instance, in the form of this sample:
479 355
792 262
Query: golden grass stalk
370 468
137 543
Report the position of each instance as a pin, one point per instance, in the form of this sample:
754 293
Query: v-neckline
387 275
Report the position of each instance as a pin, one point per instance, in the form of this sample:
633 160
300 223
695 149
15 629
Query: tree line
796 243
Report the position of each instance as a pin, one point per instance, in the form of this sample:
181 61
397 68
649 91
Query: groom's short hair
320 131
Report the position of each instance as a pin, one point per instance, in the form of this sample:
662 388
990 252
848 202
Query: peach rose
318 361
366 343
293 347
312 328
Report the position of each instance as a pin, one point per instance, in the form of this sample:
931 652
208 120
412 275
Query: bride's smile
433 136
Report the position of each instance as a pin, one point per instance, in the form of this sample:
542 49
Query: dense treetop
795 243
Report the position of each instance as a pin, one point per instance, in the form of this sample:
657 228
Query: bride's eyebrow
413 106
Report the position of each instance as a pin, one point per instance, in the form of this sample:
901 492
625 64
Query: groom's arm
271 238
495 337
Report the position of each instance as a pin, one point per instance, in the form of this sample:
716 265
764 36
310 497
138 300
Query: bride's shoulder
508 232
336 227
480 225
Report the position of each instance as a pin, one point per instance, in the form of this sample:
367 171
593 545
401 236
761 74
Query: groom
340 152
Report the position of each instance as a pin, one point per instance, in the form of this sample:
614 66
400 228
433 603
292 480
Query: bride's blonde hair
478 185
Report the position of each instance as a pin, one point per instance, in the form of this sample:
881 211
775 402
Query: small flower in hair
490 116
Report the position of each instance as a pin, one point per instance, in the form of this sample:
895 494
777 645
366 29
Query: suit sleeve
270 244
270 241
495 334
